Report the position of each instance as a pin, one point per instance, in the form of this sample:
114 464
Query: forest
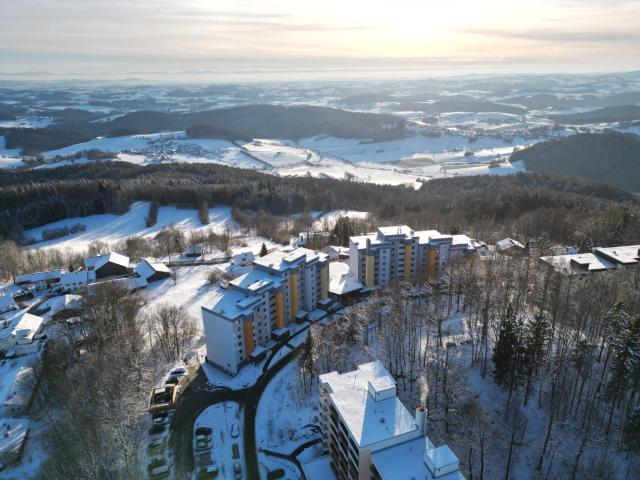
526 373
524 205
608 156
249 121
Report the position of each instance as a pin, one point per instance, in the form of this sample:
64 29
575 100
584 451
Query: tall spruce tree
507 351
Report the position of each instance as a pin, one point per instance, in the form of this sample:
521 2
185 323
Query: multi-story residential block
401 254
370 435
282 286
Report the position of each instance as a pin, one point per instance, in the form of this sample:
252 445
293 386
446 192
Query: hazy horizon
248 40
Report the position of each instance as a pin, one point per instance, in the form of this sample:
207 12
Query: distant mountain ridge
609 156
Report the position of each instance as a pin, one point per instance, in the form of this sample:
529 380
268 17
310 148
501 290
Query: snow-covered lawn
221 418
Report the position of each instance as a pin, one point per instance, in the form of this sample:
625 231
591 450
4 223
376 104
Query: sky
288 37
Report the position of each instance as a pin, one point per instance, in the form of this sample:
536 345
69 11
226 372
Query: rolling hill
609 157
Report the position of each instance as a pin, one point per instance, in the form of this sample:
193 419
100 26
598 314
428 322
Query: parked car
203 438
155 429
161 420
162 471
235 451
178 372
156 445
237 469
206 473
235 430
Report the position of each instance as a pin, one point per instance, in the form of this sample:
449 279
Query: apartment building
282 287
370 435
399 253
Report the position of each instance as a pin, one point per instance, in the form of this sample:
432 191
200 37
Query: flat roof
318 469
405 461
282 260
562 263
625 255
368 421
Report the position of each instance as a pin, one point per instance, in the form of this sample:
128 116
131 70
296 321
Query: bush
52 233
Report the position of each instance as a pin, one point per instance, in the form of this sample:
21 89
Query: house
24 332
72 281
193 251
242 257
369 433
61 306
14 433
7 303
108 265
399 253
40 280
509 246
563 250
336 253
152 270
262 304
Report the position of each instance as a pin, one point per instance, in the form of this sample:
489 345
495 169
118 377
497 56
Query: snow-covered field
408 161
111 228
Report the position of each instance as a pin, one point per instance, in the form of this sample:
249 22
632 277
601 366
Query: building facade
282 287
401 254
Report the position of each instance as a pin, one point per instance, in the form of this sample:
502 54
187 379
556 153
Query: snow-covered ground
283 433
111 228
280 433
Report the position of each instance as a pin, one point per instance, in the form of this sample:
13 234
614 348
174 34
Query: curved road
195 399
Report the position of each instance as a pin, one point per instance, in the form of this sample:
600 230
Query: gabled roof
101 260
149 266
6 301
39 276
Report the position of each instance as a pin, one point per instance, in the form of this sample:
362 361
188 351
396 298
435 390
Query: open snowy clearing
111 228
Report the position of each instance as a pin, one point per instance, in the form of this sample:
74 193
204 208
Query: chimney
421 418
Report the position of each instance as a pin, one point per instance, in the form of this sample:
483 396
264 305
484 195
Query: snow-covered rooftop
396 230
624 255
79 276
100 260
585 261
39 276
28 326
507 243
148 266
282 260
369 421
341 281
13 433
406 461
318 469
6 302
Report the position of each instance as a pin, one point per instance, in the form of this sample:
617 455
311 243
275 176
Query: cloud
557 36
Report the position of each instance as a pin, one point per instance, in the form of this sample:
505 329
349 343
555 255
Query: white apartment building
282 287
370 434
401 254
